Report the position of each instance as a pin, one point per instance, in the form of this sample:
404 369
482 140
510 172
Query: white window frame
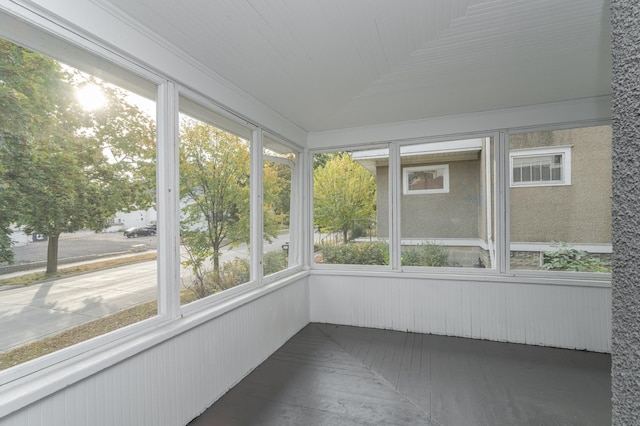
565 151
406 171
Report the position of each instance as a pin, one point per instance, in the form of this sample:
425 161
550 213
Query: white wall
509 310
175 380
136 218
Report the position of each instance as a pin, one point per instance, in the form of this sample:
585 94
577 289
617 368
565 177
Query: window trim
564 150
431 167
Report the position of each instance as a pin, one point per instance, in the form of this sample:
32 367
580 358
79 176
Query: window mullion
257 208
395 237
168 201
503 177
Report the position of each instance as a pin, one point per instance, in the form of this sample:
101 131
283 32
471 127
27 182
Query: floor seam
384 379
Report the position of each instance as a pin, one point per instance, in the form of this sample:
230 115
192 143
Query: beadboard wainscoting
174 381
564 315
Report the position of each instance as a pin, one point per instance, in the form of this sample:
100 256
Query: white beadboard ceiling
330 64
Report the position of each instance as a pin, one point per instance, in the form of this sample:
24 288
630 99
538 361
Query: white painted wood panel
566 316
174 381
598 108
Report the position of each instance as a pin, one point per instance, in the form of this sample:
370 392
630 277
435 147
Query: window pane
214 200
517 174
350 207
564 227
452 228
77 162
278 249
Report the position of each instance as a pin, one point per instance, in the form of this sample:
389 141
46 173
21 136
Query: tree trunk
216 265
345 235
52 254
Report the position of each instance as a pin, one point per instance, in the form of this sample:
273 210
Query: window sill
98 356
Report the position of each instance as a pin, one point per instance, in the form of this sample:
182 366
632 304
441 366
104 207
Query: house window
348 186
446 207
541 166
79 148
280 221
560 200
215 203
426 179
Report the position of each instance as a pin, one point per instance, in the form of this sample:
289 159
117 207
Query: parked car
142 230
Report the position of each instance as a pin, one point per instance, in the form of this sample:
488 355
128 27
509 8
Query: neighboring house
445 197
122 221
560 191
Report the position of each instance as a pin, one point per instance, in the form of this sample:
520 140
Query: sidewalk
30 268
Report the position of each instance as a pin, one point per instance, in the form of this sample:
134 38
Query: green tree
344 192
26 82
59 170
277 190
214 189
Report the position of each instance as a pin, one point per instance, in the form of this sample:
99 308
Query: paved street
30 313
76 247
33 312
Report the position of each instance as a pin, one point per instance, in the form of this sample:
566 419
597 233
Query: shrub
275 261
369 253
233 273
425 255
565 258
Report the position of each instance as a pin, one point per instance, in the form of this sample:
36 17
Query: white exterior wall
136 218
537 313
174 381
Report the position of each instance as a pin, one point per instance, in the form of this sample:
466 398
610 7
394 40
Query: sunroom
346 186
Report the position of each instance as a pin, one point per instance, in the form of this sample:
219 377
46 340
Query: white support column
395 198
257 210
168 195
305 207
502 208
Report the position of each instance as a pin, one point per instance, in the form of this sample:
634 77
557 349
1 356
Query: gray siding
456 214
576 213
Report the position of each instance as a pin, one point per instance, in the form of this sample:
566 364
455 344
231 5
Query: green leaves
214 187
566 258
63 168
344 194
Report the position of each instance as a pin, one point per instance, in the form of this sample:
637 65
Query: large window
446 207
78 218
280 222
560 200
215 189
350 207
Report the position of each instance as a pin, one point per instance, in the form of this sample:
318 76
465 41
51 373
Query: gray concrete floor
338 375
